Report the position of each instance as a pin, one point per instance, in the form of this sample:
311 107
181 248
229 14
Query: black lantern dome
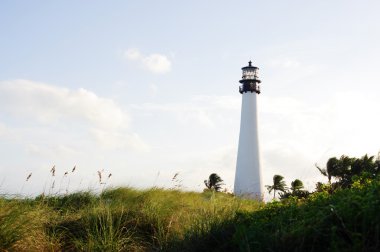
250 79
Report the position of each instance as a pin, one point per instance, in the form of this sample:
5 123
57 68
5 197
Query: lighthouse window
245 73
250 74
256 73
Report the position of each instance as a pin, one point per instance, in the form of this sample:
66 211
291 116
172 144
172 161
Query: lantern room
250 79
250 73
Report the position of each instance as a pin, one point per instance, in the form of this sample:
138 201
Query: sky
145 90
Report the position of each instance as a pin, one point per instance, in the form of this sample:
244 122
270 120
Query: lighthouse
248 172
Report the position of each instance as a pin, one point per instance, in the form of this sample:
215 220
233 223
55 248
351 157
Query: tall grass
22 226
11 224
125 219
120 219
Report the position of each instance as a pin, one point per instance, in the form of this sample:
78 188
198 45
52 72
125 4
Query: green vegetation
346 170
214 182
341 215
121 219
296 191
347 220
278 185
125 219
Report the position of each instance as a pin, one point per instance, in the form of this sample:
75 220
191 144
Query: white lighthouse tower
248 172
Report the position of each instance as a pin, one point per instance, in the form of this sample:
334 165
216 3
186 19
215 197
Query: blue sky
146 89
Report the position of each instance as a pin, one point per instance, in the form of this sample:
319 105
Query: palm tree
338 168
278 185
296 185
214 182
346 169
295 191
332 168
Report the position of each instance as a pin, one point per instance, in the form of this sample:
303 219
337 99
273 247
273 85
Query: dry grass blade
30 175
53 171
100 176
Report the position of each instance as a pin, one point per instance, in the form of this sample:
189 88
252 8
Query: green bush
347 220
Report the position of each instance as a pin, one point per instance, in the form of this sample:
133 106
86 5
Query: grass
126 219
121 219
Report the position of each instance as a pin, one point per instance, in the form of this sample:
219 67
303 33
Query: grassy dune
126 219
121 219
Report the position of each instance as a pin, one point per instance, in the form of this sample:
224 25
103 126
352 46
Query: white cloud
48 103
119 140
202 110
52 107
155 63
